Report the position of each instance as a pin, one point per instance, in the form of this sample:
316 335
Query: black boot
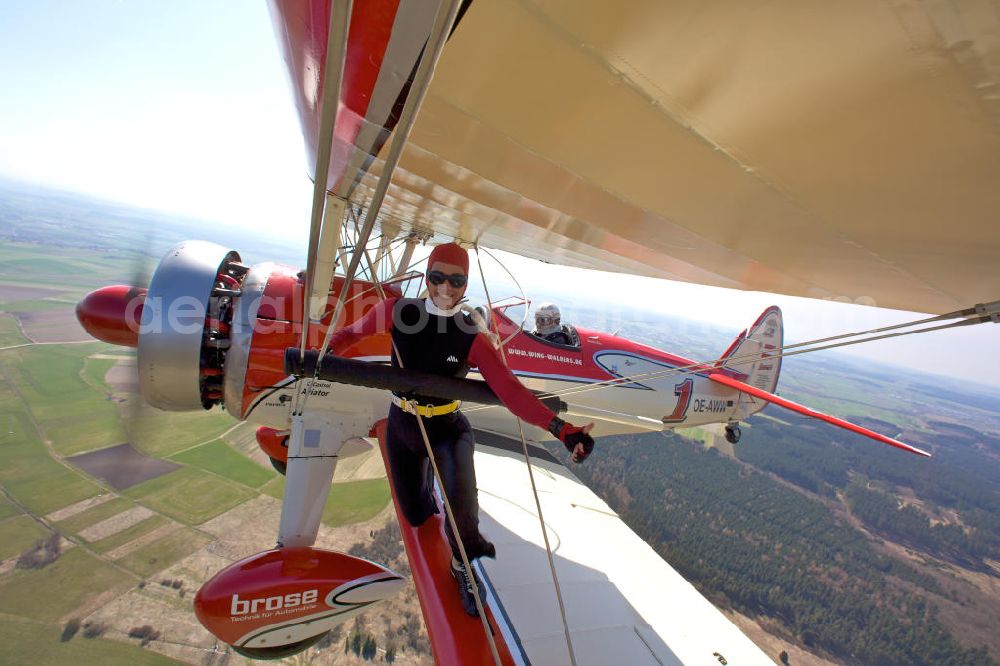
466 579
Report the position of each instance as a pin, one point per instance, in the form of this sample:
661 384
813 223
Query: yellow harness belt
412 407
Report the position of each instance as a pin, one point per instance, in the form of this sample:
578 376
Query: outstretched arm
523 402
376 320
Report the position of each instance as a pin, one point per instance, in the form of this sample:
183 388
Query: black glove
570 436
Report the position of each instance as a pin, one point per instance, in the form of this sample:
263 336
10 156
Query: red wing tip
910 449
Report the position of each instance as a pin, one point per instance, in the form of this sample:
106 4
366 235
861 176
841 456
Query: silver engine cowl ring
184 331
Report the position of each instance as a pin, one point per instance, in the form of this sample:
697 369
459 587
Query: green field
50 266
94 515
349 501
72 413
160 434
94 370
61 302
26 469
844 395
10 334
63 585
54 403
190 495
27 642
220 458
7 508
356 501
126 535
164 552
18 534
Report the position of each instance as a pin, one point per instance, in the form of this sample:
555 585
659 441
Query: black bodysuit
438 345
442 345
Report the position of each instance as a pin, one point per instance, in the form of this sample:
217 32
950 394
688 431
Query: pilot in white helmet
548 324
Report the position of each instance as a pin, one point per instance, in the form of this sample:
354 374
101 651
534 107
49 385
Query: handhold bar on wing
376 375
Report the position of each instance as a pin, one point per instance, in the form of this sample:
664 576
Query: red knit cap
450 253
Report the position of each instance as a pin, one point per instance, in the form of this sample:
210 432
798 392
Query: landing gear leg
733 433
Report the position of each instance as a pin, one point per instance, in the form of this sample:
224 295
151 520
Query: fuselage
621 385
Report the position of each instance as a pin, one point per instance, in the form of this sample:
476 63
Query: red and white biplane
781 147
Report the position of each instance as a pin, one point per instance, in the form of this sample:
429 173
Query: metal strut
444 19
333 74
991 310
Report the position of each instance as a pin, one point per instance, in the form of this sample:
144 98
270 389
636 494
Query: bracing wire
517 284
695 368
531 475
454 525
378 287
719 363
458 539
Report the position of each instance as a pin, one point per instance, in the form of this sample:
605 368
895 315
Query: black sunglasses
456 280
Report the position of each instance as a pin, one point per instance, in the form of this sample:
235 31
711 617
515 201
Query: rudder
756 352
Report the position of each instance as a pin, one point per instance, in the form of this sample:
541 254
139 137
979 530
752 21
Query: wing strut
444 19
336 52
802 409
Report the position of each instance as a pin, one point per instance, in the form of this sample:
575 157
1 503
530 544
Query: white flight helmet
546 319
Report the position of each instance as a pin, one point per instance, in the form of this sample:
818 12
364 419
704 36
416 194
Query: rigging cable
437 476
458 538
454 525
696 368
524 297
974 315
531 475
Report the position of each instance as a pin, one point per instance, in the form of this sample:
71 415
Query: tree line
749 542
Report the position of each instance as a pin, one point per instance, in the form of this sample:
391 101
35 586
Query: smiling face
444 295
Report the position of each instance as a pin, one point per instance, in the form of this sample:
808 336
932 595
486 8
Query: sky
183 107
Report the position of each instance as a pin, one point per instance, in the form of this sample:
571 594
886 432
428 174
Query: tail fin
751 352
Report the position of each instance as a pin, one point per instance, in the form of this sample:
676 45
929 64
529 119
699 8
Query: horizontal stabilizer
801 409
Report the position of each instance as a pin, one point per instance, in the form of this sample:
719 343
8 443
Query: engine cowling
181 324
184 329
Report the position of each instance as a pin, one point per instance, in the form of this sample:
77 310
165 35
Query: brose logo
291 600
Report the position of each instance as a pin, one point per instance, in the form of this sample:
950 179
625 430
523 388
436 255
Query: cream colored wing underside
822 149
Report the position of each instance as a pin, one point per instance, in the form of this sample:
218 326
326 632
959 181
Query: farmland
122 488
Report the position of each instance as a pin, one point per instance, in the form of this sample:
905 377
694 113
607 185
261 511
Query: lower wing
624 603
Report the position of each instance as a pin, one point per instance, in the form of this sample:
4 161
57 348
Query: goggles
456 280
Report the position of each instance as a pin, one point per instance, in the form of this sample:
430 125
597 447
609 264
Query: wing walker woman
434 335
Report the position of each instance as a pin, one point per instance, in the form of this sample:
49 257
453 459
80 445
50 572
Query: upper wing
818 149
